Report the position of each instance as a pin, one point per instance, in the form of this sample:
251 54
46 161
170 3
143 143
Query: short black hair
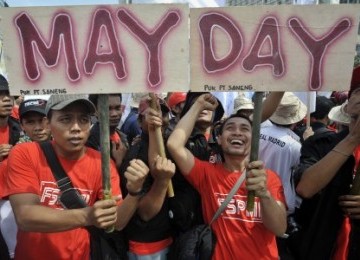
94 97
240 115
323 107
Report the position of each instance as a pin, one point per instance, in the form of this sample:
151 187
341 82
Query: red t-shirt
4 139
4 135
115 138
240 235
28 172
3 186
15 112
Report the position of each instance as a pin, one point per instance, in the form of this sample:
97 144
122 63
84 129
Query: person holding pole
35 129
118 140
149 231
46 228
240 235
185 207
328 177
10 132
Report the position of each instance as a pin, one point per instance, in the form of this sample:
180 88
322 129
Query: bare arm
135 175
273 215
178 138
126 210
32 216
151 204
161 170
270 104
273 212
317 176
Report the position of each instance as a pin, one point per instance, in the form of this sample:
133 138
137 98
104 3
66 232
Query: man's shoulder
28 146
325 136
29 151
207 166
91 152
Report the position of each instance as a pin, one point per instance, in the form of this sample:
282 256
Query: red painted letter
31 38
269 31
152 40
317 47
103 20
206 25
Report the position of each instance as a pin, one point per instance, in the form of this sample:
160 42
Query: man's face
70 129
6 103
35 126
115 111
235 139
353 108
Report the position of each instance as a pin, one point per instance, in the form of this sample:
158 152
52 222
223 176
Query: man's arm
176 143
33 217
161 170
317 176
151 204
135 175
273 212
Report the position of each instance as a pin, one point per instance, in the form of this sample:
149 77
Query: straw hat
337 114
290 110
241 103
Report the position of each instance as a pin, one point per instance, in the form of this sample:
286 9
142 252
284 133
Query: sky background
192 3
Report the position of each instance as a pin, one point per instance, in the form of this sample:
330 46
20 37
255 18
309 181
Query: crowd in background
305 206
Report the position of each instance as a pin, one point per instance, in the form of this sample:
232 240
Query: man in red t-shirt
118 140
240 234
46 229
9 136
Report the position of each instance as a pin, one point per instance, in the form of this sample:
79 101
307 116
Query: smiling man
239 233
47 230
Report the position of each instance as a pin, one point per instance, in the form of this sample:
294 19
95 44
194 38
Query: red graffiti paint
207 23
102 24
267 32
317 47
32 39
151 39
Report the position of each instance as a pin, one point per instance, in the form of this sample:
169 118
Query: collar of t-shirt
115 138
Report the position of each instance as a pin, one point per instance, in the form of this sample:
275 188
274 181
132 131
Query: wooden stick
160 141
309 99
355 188
103 102
255 137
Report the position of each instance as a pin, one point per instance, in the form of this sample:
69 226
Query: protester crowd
306 205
